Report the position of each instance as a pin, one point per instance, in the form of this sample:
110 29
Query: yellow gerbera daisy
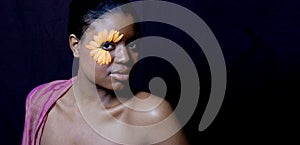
100 55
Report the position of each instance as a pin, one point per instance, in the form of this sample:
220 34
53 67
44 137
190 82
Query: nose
121 54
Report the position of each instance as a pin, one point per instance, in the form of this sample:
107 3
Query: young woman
86 110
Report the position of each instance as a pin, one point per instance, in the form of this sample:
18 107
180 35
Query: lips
120 74
120 77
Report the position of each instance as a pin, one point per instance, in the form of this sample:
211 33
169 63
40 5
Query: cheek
100 71
89 66
134 55
102 76
85 55
86 60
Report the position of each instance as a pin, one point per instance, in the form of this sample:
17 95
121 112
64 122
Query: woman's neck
86 91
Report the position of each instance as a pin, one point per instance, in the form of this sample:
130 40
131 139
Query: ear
74 45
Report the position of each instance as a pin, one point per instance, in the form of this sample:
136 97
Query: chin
118 86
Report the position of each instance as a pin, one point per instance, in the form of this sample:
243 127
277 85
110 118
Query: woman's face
123 53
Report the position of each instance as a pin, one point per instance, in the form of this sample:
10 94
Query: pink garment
38 104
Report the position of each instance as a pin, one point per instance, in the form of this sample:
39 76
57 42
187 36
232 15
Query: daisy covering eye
99 46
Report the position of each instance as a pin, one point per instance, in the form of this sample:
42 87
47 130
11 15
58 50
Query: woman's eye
132 46
108 46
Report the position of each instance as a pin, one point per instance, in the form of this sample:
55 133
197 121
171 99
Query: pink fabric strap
38 103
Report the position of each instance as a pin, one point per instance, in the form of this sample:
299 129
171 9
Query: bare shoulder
147 109
150 110
37 96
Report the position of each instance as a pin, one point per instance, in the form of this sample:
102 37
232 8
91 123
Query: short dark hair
83 12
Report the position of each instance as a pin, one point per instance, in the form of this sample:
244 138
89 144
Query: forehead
114 21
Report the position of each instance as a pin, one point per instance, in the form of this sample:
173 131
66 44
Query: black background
259 39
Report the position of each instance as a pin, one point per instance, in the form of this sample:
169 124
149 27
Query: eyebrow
133 37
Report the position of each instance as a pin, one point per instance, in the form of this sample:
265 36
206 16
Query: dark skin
92 96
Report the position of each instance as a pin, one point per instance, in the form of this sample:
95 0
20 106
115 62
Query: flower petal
119 38
105 58
97 55
111 35
93 43
90 47
108 60
102 37
93 52
96 38
100 58
116 35
104 33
